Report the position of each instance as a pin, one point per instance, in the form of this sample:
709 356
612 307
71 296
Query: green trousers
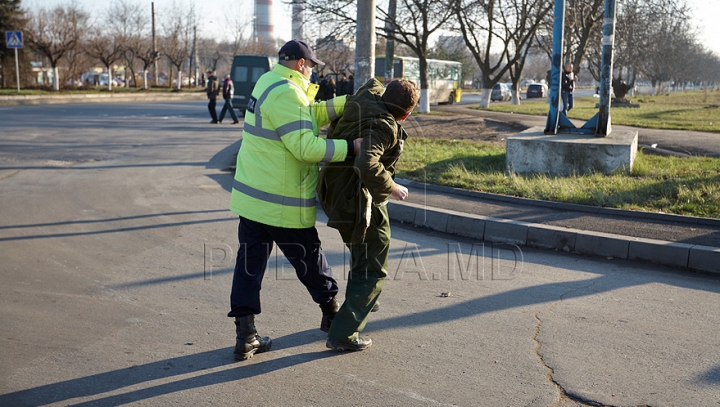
368 269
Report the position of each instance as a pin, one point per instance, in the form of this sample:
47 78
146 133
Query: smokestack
263 27
298 19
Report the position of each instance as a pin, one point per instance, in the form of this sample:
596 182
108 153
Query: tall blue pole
604 126
553 119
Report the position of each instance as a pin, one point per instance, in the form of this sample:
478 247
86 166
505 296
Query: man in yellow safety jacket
274 189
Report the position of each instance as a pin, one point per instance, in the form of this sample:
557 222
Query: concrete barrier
692 257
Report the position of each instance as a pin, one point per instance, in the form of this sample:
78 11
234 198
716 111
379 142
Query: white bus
444 84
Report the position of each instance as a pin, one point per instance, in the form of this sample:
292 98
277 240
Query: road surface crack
565 398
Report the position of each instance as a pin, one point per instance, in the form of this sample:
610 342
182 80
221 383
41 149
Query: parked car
537 90
501 91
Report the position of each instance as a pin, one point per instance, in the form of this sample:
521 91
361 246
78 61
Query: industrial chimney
263 25
298 11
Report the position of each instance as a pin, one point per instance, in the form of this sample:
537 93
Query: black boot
248 342
329 309
356 345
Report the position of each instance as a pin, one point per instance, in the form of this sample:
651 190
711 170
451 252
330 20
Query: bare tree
107 47
507 26
173 44
77 62
582 26
129 22
665 41
176 44
55 32
143 50
415 22
209 54
239 23
337 55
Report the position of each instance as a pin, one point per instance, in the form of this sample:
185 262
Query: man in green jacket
354 195
274 189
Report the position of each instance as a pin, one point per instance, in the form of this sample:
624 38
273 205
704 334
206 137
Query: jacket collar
308 87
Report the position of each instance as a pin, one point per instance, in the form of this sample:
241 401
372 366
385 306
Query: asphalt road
117 248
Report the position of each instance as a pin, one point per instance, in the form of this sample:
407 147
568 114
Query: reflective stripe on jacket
277 165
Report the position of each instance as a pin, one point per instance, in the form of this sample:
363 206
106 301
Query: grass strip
690 110
684 186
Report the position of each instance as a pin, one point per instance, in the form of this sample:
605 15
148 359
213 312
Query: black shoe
329 309
356 345
236 122
248 342
213 121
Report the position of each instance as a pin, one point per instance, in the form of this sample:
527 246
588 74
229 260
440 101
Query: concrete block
532 151
466 226
431 218
704 258
551 237
659 251
401 212
506 231
602 244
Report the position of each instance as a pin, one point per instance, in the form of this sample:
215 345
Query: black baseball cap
296 49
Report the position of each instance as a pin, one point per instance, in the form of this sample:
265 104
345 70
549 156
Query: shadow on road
220 361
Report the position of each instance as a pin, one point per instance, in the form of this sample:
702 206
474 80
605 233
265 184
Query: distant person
228 90
567 88
342 85
354 195
351 85
330 89
212 90
322 90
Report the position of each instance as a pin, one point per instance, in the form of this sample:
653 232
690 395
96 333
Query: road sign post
14 39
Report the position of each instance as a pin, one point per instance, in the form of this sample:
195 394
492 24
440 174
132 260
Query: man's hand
400 192
356 145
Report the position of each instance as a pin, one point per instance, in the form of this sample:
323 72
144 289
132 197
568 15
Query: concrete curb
29 100
692 257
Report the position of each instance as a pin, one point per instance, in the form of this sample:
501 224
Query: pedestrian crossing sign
14 39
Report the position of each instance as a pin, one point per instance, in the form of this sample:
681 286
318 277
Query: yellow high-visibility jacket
277 165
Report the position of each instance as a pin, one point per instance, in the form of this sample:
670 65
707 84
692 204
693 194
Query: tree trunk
179 79
56 78
516 95
485 98
424 104
110 77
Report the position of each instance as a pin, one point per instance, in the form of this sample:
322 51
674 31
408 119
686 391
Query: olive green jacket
348 189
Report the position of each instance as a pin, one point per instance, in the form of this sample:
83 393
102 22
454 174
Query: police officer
274 189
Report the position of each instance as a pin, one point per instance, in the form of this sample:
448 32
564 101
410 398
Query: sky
705 12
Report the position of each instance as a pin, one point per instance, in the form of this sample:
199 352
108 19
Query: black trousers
302 249
211 108
227 107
